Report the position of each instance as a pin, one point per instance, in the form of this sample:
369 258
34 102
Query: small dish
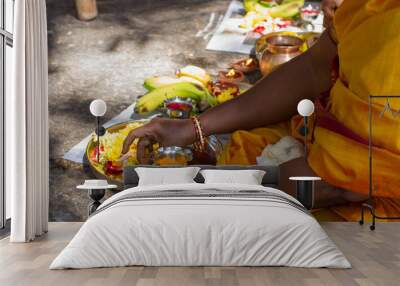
173 155
246 65
231 76
179 107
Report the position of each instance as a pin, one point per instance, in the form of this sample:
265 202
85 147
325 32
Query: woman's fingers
166 132
147 130
128 141
144 149
135 133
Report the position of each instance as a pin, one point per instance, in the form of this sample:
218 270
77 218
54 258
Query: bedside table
96 191
305 190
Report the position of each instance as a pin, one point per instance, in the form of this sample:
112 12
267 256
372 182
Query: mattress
201 225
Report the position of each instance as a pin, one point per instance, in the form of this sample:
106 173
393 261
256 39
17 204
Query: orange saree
368 36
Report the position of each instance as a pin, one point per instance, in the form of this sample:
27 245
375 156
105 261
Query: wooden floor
375 257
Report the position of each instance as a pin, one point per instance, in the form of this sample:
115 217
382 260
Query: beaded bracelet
200 140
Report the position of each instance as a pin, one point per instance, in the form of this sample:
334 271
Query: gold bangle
200 144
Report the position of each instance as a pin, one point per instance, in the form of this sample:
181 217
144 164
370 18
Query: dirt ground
109 58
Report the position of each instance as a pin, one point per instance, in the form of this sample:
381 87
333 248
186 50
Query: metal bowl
173 155
189 155
179 108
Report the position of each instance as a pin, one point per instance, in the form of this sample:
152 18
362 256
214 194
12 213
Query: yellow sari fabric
244 146
368 33
369 54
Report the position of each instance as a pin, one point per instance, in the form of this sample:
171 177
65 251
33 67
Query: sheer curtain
27 155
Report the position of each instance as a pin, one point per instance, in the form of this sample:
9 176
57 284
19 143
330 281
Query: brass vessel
278 49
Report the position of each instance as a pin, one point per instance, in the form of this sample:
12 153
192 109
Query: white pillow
248 177
166 176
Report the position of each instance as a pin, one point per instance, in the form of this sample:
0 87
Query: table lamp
305 108
98 108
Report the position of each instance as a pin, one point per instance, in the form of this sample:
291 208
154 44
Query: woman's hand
329 7
272 100
166 132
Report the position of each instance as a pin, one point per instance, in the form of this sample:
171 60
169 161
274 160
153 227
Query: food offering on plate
231 76
110 162
190 83
273 25
246 65
224 91
260 11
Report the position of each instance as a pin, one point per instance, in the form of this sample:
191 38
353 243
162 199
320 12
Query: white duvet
200 231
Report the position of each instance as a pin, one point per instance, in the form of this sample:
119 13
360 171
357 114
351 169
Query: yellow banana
194 72
155 98
287 9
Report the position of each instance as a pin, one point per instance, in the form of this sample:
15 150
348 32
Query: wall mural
127 65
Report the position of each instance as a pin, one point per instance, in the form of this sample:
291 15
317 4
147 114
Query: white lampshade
98 107
305 107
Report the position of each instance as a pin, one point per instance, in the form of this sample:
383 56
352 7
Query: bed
198 224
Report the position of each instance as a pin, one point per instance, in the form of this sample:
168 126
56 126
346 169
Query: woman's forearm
274 98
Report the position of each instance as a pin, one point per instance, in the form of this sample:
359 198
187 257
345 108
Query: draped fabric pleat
27 157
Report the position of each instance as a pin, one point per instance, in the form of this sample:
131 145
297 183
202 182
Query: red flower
259 29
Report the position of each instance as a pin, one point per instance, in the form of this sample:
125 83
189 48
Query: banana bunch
195 73
190 82
260 10
288 9
155 82
155 98
264 6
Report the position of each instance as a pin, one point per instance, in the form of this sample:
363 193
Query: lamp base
95 196
305 193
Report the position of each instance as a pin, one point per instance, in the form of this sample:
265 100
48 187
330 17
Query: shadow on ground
109 58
